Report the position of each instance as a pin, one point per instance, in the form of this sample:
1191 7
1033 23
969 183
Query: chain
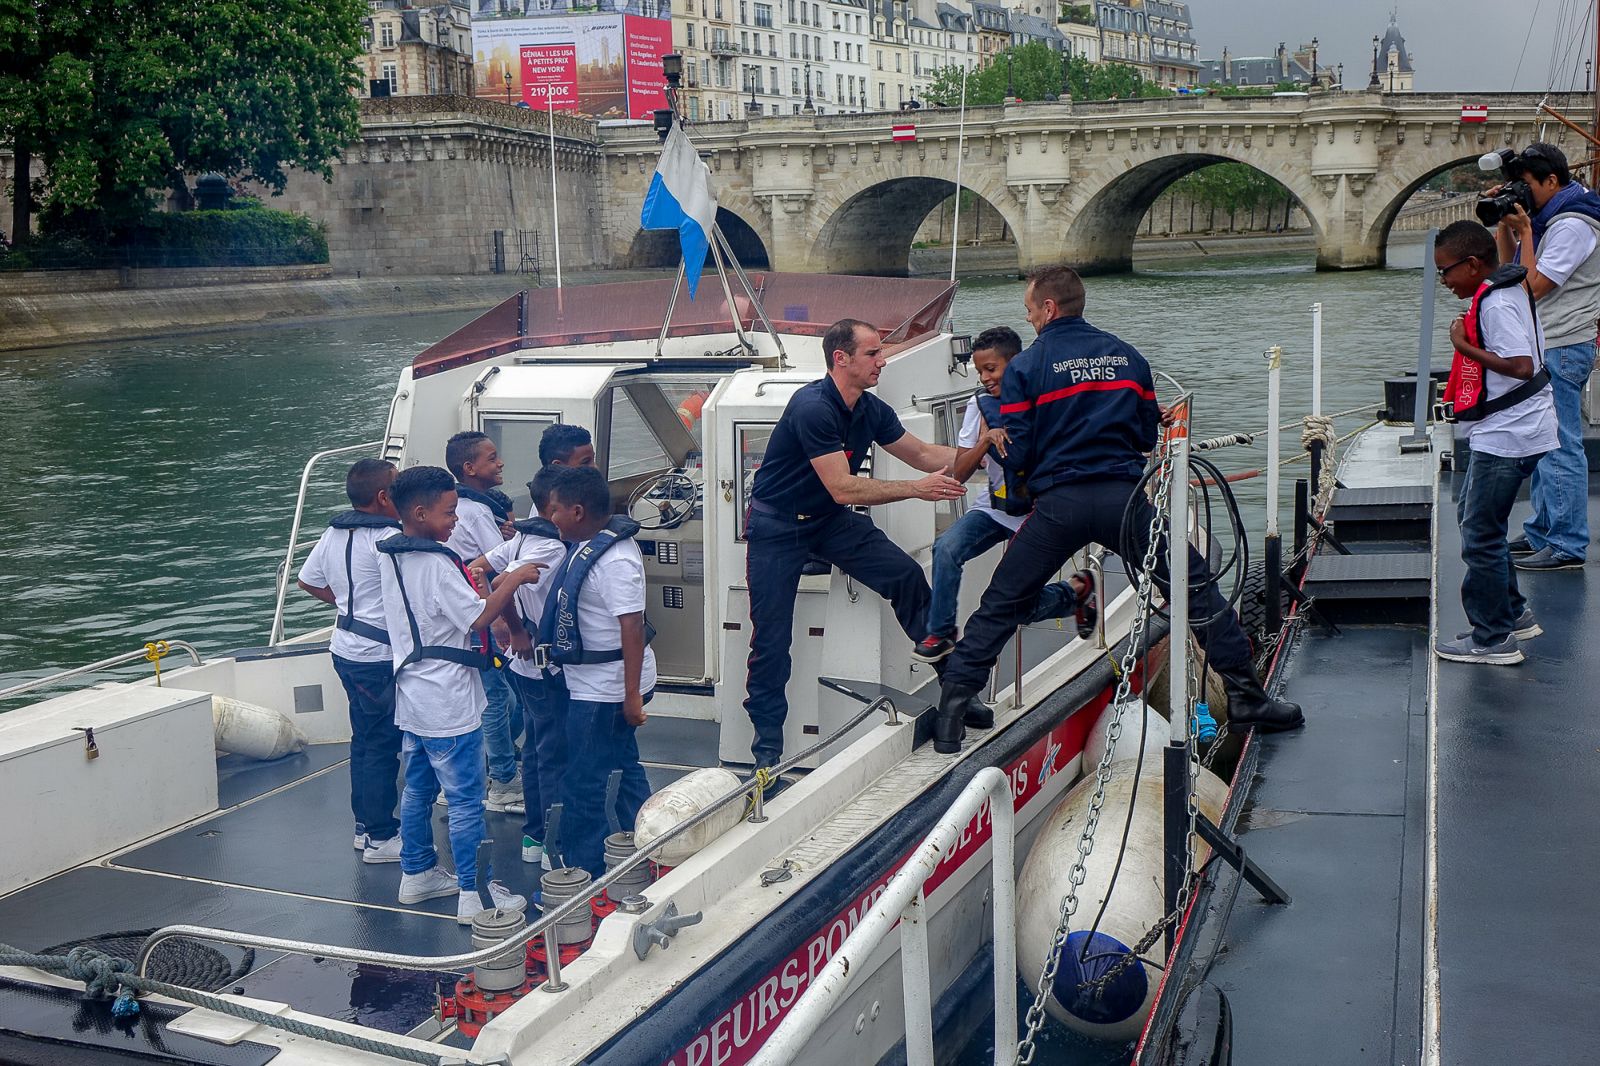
1077 875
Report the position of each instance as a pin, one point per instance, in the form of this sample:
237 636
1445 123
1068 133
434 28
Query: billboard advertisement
604 63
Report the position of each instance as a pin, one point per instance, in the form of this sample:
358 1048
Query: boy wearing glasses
1501 393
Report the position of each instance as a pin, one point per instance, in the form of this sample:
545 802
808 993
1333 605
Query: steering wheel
666 501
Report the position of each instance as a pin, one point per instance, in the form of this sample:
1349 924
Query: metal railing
746 792
152 652
904 906
286 568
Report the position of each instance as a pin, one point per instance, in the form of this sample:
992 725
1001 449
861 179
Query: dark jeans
374 746
1064 520
599 741
777 550
1489 591
544 747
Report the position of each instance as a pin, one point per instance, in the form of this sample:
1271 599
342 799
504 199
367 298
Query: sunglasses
1446 269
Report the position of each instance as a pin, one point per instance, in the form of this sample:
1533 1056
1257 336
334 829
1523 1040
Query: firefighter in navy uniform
1079 406
801 503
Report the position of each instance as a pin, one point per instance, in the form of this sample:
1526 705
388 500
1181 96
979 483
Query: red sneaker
931 649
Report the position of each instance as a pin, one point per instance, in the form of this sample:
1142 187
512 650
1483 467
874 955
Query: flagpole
961 136
555 201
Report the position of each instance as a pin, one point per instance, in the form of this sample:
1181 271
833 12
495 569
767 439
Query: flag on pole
680 198
905 131
1474 112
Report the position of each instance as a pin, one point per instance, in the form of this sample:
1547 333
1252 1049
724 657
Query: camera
1515 191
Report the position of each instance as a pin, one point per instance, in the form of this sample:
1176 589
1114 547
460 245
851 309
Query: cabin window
751 446
516 437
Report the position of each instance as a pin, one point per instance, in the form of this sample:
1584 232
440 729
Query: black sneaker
1520 546
931 649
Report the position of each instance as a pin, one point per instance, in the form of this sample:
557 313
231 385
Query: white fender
252 730
1119 1013
1155 736
680 801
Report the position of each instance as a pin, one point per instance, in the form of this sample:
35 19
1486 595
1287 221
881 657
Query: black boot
978 715
1249 705
948 732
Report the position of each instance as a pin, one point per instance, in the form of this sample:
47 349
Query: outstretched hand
938 486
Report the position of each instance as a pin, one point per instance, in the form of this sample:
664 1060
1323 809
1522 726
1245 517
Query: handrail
903 905
275 636
547 923
148 653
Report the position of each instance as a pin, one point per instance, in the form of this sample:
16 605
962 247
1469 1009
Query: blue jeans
500 725
599 741
1489 591
972 534
456 765
1561 482
374 745
544 748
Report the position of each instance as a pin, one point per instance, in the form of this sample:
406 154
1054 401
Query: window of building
880 59
881 104
794 82
775 82
897 62
688 34
816 46
861 53
774 110
838 85
386 35
694 109
835 20
805 47
391 75
835 49
744 11
764 15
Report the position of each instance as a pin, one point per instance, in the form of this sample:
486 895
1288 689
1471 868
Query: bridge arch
869 224
1391 196
659 248
1099 238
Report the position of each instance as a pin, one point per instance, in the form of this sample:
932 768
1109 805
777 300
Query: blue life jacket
352 521
534 527
497 502
480 658
1012 495
558 629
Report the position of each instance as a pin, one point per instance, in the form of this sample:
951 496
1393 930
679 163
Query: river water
151 481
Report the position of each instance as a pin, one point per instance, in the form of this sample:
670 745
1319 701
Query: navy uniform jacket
1079 405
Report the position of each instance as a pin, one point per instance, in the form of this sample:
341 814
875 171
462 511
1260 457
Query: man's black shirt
816 423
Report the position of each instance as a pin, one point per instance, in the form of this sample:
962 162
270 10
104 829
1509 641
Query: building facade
1394 73
416 50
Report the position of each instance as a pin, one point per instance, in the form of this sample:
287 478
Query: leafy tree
1035 71
1232 187
117 99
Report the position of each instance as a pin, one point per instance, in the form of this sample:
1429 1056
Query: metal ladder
903 906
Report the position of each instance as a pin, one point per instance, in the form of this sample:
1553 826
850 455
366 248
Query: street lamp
809 108
752 108
1341 77
1315 80
508 87
1011 94
1375 83
672 73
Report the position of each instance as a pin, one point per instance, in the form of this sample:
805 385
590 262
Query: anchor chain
1035 1017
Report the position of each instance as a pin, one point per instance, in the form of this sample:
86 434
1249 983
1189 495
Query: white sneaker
505 796
534 852
362 841
469 905
382 850
431 883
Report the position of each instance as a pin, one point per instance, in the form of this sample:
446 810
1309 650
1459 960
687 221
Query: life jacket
480 658
1465 396
561 643
352 521
497 502
1011 496
534 527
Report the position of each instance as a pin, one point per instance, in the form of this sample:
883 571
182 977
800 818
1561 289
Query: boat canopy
903 309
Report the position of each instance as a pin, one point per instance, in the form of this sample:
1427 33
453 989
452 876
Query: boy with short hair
433 612
544 743
342 569
483 514
1501 394
594 629
565 445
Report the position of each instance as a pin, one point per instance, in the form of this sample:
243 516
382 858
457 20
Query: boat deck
1380 959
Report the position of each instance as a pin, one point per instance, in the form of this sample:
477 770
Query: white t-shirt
324 568
1510 330
432 698
1567 243
971 427
525 548
614 587
477 530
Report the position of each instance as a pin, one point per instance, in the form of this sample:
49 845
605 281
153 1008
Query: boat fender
254 731
680 801
1155 735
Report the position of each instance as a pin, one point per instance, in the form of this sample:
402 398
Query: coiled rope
1318 429
105 976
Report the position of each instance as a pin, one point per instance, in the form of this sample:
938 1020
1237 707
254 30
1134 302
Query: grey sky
1455 44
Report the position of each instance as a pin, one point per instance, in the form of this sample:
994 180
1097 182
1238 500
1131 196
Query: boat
229 880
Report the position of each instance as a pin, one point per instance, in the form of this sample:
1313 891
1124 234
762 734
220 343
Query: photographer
1556 242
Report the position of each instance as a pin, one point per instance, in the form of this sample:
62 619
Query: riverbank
1001 259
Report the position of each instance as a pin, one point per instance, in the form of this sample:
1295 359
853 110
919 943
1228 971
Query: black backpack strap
349 622
477 660
1528 389
608 655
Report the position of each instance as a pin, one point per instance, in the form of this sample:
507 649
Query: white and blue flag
680 198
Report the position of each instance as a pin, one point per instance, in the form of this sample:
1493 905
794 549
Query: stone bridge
835 193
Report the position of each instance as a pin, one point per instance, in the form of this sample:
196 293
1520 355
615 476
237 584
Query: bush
247 236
